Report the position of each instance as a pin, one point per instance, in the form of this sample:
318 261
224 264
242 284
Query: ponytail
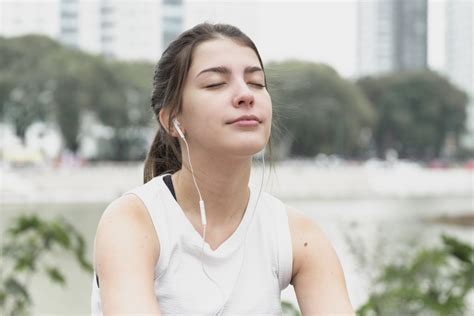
164 156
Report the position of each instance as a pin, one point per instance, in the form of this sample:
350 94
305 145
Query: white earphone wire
204 222
220 310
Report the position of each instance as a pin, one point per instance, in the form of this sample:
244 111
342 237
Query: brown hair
164 155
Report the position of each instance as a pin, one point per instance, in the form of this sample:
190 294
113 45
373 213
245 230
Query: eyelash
214 85
260 86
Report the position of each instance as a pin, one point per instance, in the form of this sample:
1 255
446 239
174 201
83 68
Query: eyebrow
226 71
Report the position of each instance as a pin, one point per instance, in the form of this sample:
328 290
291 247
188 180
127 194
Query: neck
223 184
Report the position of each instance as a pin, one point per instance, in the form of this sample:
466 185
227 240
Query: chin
245 150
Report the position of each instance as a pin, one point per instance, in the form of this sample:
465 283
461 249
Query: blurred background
373 137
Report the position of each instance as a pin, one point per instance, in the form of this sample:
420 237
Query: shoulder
307 237
126 251
318 278
125 227
128 210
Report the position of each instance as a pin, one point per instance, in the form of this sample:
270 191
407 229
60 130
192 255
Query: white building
173 20
123 29
459 52
140 29
391 35
131 29
375 37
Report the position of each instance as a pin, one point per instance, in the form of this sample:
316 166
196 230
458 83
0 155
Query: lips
245 118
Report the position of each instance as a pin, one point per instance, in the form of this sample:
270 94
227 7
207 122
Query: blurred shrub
289 310
434 282
25 245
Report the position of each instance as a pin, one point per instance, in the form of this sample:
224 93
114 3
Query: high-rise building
173 20
131 29
107 25
459 52
123 29
392 35
410 27
69 23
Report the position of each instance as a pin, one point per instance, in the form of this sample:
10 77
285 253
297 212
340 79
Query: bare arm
318 278
126 251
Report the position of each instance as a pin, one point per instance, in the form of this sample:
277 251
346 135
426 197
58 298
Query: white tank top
247 272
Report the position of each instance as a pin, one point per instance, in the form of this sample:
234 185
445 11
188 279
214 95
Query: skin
127 247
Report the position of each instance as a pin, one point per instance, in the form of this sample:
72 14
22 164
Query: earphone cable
220 310
204 227
204 223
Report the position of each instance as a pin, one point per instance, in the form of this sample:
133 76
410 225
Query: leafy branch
435 281
26 245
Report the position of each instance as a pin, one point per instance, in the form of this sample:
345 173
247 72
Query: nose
243 96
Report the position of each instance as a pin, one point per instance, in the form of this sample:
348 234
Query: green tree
416 110
321 112
125 107
76 79
44 81
40 80
25 92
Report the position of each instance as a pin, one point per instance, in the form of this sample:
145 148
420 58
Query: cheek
268 109
194 109
203 119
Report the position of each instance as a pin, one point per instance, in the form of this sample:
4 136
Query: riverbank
380 208
293 180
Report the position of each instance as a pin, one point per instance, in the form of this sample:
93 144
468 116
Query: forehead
222 52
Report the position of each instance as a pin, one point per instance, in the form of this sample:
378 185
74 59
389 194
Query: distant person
196 237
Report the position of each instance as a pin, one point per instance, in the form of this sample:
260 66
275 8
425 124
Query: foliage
129 115
417 112
434 282
40 80
26 246
24 90
323 112
289 310
317 111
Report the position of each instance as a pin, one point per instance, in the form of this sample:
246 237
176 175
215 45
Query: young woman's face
224 83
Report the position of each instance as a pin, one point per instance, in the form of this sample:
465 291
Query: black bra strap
169 184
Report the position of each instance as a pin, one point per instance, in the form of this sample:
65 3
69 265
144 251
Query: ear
164 118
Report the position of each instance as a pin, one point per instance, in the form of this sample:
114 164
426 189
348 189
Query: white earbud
176 125
202 207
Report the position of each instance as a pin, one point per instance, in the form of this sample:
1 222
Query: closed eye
215 85
259 85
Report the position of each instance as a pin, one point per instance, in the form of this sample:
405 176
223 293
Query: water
377 229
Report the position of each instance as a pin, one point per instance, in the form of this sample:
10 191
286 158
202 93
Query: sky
323 31
320 30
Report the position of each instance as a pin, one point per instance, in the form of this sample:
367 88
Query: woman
196 238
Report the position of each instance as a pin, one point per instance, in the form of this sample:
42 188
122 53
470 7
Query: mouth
246 120
246 123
